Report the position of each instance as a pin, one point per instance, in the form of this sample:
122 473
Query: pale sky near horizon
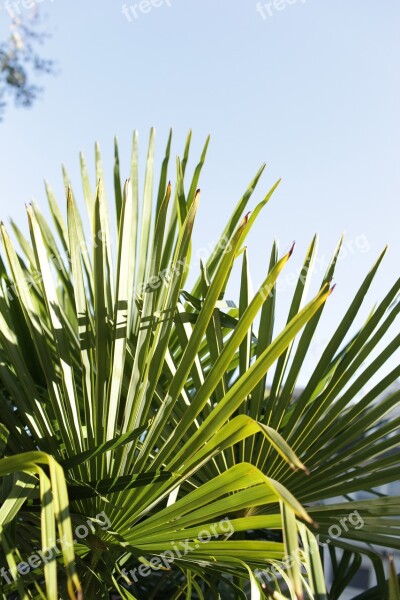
310 87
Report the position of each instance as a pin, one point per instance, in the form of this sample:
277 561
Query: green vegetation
169 423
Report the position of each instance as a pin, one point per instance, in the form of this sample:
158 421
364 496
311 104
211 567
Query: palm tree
155 441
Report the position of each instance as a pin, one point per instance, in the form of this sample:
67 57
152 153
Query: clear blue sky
312 89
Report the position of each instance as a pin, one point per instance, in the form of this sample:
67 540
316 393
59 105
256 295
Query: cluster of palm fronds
175 416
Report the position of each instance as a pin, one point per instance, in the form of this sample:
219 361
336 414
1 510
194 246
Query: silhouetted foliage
21 62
